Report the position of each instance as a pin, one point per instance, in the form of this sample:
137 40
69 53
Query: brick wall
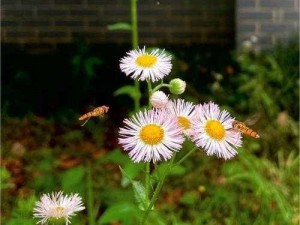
162 21
269 20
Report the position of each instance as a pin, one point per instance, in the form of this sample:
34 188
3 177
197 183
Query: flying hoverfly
243 128
99 111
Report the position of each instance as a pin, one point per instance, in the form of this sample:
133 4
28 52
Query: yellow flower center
215 129
146 60
184 122
152 134
59 212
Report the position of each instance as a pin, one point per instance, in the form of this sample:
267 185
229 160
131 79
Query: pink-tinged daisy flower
57 207
151 136
141 65
159 99
212 131
184 112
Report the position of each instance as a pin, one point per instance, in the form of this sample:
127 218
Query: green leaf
115 156
139 191
22 213
132 170
122 212
129 90
89 66
176 170
140 195
74 177
5 179
119 26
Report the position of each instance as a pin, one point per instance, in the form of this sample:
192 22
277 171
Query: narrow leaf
119 26
132 170
118 212
139 191
140 195
127 90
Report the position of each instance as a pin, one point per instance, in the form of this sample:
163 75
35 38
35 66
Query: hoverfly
99 111
242 127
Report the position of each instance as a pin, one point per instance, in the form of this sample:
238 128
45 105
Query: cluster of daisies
155 134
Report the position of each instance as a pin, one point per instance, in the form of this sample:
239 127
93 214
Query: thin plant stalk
147 175
161 182
157 190
134 25
134 44
185 156
160 86
147 181
90 195
150 91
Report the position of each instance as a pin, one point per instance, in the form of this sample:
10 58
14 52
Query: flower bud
177 86
159 99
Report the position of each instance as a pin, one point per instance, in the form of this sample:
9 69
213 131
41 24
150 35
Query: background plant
42 155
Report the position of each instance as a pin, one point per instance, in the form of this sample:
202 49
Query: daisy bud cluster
156 134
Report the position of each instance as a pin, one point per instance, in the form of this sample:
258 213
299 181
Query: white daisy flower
212 131
151 136
142 65
57 207
159 99
184 111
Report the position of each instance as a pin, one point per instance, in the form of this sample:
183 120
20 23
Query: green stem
160 86
147 180
150 91
185 157
157 190
90 195
149 87
134 44
138 97
134 26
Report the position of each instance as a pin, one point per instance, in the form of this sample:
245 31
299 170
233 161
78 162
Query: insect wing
252 119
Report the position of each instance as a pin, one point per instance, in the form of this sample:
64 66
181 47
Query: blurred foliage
259 186
22 214
262 86
5 179
83 62
67 80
